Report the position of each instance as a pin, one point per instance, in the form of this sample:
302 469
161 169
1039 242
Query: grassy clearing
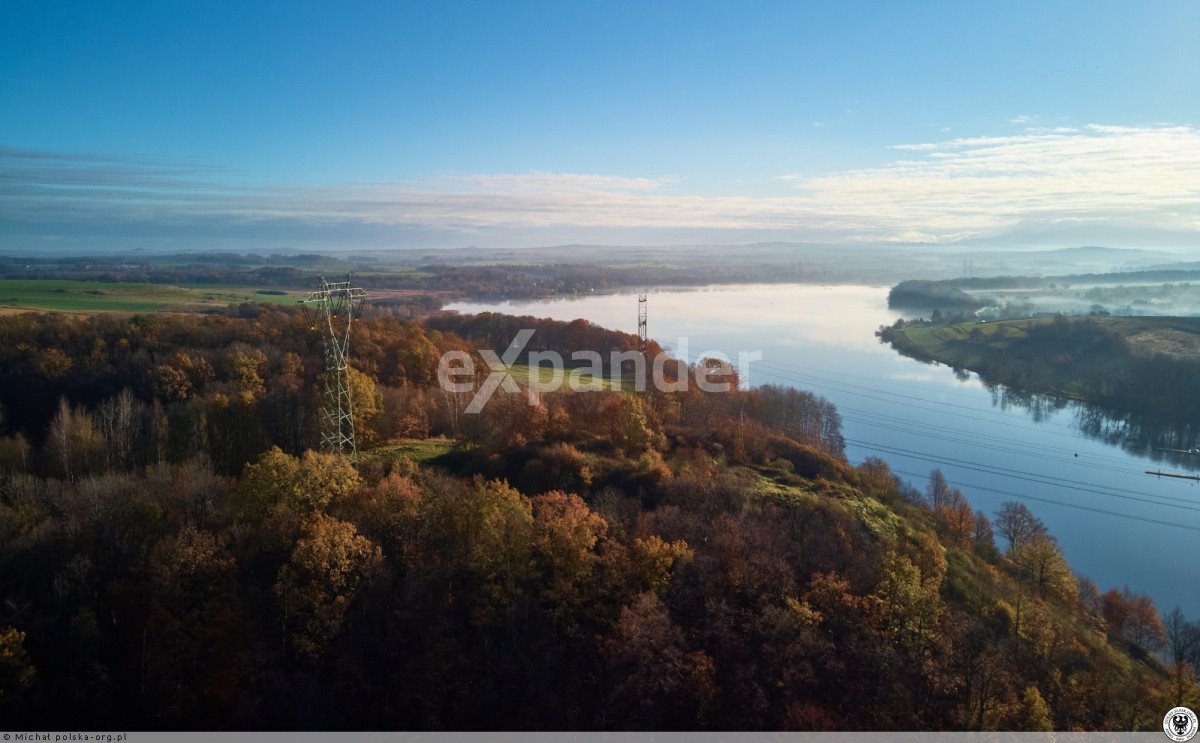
421 451
878 518
99 296
545 376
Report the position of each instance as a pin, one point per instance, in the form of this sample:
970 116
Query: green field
99 296
962 345
545 376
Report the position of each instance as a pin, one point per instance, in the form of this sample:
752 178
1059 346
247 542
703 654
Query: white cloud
932 192
982 184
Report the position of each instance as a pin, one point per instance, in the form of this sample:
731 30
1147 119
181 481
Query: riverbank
1127 364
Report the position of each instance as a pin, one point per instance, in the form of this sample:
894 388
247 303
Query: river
1117 525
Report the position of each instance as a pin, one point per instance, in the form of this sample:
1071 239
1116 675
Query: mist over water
1155 298
993 443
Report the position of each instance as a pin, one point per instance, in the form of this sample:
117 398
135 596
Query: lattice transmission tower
333 308
642 335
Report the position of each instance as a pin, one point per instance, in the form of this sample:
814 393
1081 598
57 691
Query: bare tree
59 438
938 490
1017 524
117 417
1183 638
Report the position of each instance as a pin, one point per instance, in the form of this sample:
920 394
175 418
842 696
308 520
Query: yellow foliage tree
655 559
302 485
320 580
365 404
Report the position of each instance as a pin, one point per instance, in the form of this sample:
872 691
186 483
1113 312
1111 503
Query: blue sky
264 125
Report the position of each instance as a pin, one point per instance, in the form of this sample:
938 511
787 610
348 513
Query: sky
303 125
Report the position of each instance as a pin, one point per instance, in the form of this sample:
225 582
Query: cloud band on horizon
935 192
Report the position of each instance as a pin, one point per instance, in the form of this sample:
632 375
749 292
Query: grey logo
1180 724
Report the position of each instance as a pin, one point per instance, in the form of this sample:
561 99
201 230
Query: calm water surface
918 416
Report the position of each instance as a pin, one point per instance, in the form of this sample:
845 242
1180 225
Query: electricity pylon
335 305
642 335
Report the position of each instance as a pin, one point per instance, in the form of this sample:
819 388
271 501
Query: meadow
87 297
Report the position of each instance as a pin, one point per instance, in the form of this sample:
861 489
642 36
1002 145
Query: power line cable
1017 475
1076 506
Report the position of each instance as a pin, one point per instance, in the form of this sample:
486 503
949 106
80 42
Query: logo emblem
1180 724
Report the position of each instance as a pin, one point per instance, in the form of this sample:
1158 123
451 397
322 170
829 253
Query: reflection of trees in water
1160 383
1039 406
1137 434
1141 435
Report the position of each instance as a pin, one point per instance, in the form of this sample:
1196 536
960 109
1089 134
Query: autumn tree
984 536
365 405
628 425
197 663
1032 714
327 567
911 602
1133 617
1041 560
1145 626
244 368
656 559
955 517
496 536
309 483
656 681
16 672
565 533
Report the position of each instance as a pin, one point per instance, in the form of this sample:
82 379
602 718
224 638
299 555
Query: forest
433 275
175 553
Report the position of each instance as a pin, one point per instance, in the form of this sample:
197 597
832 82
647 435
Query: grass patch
98 296
421 451
545 376
877 517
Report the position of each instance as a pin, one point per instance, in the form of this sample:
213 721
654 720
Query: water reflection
1141 435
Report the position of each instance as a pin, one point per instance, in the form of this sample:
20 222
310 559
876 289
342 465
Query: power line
1019 475
992 447
817 371
1076 506
791 377
839 387
806 379
1032 477
970 433
975 436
